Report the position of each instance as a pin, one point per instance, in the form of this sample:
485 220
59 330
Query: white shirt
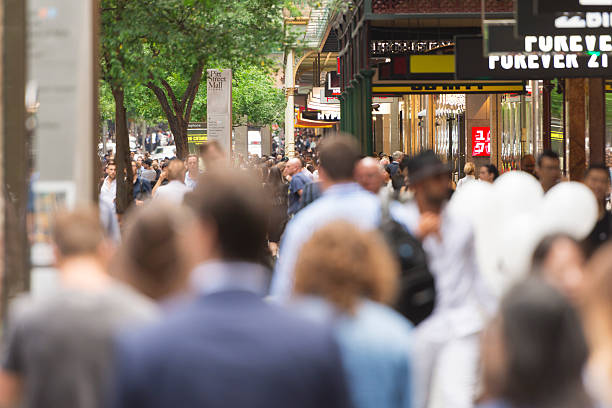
464 181
220 276
108 192
191 183
172 192
308 173
462 299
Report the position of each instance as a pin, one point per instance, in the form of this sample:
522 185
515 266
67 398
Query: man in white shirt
175 190
154 141
447 343
193 172
108 192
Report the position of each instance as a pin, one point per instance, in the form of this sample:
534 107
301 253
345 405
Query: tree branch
192 89
190 103
161 97
194 82
178 109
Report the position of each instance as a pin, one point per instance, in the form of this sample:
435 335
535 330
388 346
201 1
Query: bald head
369 174
176 170
293 166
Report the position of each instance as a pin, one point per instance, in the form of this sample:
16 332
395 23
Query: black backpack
417 291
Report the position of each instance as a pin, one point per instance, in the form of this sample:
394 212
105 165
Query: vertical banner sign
61 75
481 141
62 96
219 107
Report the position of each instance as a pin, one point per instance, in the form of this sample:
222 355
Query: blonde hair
469 169
344 264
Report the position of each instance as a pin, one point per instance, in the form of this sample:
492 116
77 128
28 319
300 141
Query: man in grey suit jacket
226 347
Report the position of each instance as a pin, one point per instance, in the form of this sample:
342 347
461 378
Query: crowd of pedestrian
323 280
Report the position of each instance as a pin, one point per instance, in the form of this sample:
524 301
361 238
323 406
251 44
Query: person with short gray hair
58 348
394 165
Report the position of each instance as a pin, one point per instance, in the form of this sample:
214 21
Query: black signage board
471 64
560 21
399 69
332 84
448 87
553 6
501 39
385 48
320 116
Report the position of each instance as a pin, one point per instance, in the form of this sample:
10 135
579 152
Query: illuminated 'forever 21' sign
470 64
568 43
546 61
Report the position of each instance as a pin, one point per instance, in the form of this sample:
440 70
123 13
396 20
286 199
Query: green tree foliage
165 46
256 98
123 64
188 35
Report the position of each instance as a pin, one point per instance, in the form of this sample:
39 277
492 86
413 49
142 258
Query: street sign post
219 107
61 64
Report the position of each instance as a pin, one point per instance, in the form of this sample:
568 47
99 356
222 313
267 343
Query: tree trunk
143 135
125 187
179 112
180 138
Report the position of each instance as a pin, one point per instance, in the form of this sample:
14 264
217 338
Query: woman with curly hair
347 277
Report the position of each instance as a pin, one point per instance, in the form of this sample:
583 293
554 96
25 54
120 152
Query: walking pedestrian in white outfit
446 347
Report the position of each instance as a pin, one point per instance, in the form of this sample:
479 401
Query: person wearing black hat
429 178
447 340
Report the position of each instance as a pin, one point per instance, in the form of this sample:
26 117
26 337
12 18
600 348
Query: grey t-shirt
149 174
62 345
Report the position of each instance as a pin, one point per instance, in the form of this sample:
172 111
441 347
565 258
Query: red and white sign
481 141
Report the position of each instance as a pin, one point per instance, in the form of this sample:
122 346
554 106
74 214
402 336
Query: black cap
425 165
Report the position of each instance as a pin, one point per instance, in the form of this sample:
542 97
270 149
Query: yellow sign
197 135
426 64
197 139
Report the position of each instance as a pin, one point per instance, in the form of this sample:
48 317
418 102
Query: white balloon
517 192
471 201
505 256
519 237
570 208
